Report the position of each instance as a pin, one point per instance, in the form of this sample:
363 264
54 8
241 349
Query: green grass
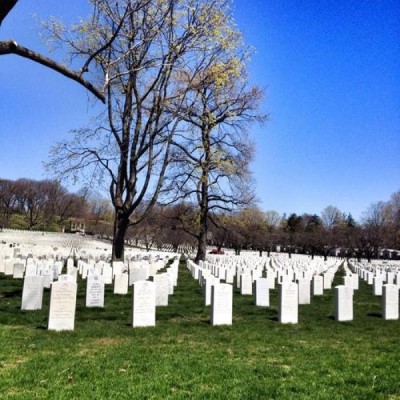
184 357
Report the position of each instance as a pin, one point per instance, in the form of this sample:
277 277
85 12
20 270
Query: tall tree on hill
143 45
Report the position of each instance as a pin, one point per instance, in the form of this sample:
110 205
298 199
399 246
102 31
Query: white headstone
137 274
107 274
171 281
59 265
229 276
261 292
66 278
328 278
118 267
355 281
143 304
30 269
32 293
18 272
348 281
389 278
95 291
288 306
343 303
121 283
390 302
73 271
271 281
221 304
246 284
208 282
70 262
162 286
8 267
377 285
62 306
2 266
304 287
48 277
318 285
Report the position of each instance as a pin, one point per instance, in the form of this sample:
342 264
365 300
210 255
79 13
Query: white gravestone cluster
384 279
254 275
55 261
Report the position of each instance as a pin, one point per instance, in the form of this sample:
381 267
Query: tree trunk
202 238
121 222
201 246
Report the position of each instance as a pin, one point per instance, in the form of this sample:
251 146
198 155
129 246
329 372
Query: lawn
184 357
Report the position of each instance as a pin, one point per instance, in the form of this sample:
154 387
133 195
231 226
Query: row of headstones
219 295
63 245
377 275
49 266
290 293
33 241
384 283
308 280
259 263
344 297
63 294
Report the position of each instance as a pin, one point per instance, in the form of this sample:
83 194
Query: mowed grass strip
184 357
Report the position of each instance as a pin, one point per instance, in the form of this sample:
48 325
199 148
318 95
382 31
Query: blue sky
331 71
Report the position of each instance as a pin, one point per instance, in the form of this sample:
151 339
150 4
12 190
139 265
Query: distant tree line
331 232
47 205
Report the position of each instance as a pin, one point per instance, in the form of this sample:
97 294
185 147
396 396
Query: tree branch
11 47
5 7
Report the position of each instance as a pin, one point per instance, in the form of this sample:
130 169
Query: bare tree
375 220
393 208
210 162
7 200
33 197
63 205
130 144
331 216
272 219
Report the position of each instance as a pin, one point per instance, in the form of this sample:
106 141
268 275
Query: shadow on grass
12 293
375 315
